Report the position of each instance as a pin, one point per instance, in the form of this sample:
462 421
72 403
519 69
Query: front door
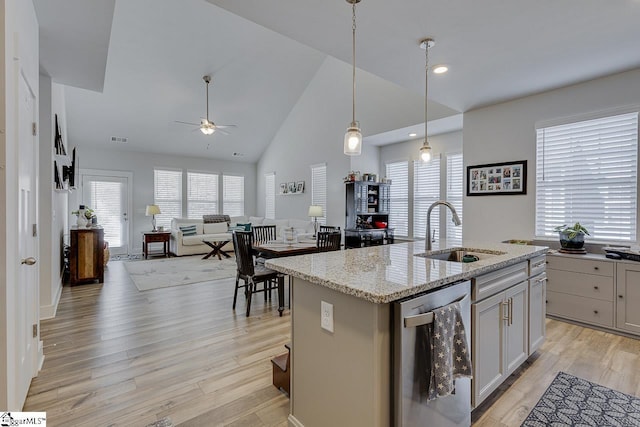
27 291
108 196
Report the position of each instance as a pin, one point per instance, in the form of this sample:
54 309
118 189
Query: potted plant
85 215
572 237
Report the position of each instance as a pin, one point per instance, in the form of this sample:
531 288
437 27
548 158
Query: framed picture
283 188
497 179
291 187
300 187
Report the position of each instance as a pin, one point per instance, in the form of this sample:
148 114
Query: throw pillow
233 228
210 219
188 230
247 227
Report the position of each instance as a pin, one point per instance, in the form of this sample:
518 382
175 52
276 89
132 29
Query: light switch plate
326 316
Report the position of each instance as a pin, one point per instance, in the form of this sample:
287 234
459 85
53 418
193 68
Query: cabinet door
537 311
628 290
489 323
517 337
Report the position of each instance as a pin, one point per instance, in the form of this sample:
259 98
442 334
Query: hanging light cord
426 89
207 101
353 28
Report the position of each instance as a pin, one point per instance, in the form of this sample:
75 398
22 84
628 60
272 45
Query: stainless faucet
455 219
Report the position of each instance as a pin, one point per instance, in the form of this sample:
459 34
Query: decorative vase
82 221
575 242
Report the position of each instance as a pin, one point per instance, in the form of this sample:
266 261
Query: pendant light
353 137
425 150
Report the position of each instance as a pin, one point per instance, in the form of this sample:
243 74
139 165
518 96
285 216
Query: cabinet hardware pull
620 296
595 311
510 311
595 268
595 287
505 316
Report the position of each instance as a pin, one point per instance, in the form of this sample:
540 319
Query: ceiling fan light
353 141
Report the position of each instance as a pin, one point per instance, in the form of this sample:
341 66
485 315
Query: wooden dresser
86 258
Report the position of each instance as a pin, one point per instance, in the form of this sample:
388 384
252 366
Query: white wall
19 29
506 132
52 204
142 166
314 131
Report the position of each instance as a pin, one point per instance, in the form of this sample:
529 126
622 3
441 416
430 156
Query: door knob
29 261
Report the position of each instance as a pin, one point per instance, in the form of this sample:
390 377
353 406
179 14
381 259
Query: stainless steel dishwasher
411 316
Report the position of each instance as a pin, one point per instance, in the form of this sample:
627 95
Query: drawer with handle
579 284
585 265
537 265
588 310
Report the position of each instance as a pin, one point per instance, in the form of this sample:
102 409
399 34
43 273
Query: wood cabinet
86 257
500 337
628 296
581 289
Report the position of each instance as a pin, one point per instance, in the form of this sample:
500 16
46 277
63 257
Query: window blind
319 189
270 195
167 195
426 191
399 197
587 172
455 176
202 194
233 195
106 198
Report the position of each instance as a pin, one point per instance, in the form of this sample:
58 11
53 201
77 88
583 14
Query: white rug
166 272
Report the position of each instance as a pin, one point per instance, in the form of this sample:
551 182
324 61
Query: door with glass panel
108 197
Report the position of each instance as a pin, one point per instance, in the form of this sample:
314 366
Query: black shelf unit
367 203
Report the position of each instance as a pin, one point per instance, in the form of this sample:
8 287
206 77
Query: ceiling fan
206 126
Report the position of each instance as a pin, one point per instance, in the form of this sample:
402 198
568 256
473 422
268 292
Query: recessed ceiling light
440 69
412 134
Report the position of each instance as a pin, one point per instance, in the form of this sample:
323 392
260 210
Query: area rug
167 272
572 401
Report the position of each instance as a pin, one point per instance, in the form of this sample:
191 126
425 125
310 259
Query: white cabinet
499 338
581 289
537 311
628 299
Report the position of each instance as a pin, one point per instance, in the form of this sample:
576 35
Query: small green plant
88 213
572 231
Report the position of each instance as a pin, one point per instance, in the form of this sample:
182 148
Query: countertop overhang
386 273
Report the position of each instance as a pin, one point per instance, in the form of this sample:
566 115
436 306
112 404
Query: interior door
108 197
27 291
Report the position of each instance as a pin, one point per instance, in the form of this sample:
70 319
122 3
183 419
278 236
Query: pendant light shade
425 150
353 137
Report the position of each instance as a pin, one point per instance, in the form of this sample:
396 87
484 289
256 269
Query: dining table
278 248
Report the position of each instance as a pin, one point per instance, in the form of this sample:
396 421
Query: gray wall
314 130
142 166
506 132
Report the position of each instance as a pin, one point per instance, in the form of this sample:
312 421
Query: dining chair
252 274
329 228
328 241
264 233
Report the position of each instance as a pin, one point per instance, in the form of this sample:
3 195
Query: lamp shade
153 210
315 211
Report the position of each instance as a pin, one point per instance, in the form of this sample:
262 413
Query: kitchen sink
461 254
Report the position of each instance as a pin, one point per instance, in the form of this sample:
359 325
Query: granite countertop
382 274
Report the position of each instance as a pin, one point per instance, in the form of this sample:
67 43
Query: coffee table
216 248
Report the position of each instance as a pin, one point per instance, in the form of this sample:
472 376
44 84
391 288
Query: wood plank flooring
118 357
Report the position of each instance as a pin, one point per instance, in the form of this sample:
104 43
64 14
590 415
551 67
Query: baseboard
49 311
40 355
293 421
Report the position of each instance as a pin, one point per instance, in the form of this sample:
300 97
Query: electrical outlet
326 316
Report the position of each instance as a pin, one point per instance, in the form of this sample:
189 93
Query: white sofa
180 245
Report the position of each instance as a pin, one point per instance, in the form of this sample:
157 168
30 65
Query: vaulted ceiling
134 67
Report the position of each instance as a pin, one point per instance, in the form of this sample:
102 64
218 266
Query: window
587 172
233 195
167 194
270 195
202 194
455 176
398 172
426 191
319 189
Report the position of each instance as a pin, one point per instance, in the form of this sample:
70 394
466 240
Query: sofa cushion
177 222
301 226
236 219
188 230
215 228
256 220
192 240
279 223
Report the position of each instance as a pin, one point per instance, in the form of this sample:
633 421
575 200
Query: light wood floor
119 357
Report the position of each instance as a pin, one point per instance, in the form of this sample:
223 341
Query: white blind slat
587 172
167 195
270 195
233 195
319 189
398 172
426 191
202 194
455 175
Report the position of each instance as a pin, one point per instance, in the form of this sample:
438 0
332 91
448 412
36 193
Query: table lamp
315 212
153 210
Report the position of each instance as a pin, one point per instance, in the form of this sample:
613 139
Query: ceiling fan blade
225 126
224 132
187 123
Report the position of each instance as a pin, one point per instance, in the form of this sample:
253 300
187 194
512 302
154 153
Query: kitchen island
342 373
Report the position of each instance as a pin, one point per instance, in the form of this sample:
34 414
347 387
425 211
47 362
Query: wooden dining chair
264 233
328 241
329 228
252 274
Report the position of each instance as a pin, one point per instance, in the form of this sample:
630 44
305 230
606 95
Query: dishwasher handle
424 318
